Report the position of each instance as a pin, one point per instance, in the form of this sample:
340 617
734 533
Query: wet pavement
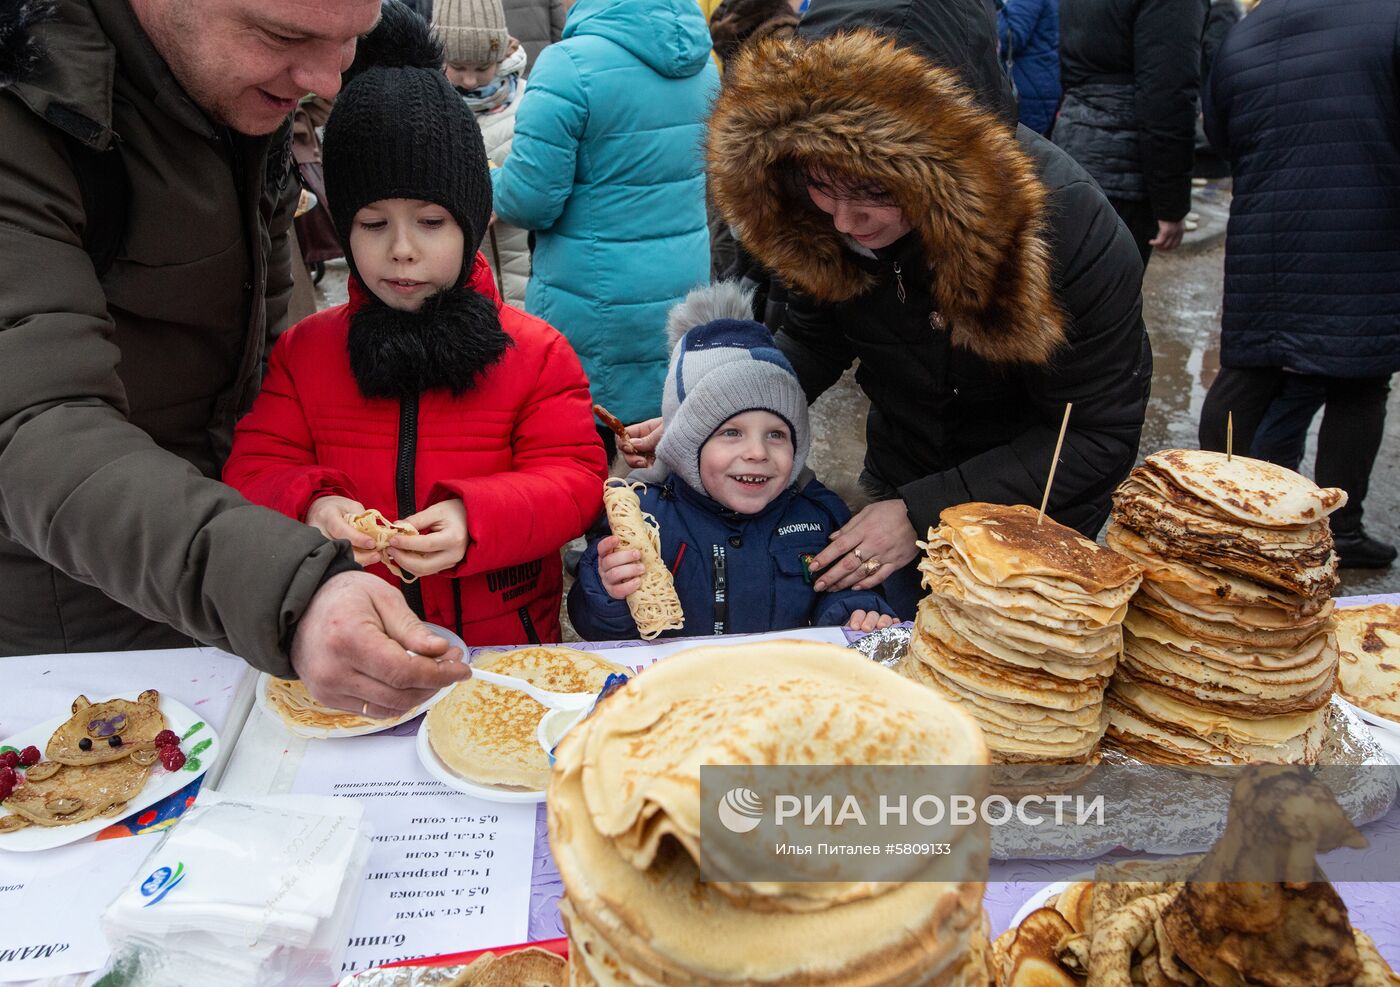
1181 305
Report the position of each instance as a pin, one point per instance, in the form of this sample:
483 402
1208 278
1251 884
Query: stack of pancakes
1021 627
1229 653
624 828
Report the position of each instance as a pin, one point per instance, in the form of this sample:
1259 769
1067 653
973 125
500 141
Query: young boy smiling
424 397
739 518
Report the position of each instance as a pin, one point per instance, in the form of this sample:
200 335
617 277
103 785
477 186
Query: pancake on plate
291 701
488 735
1369 641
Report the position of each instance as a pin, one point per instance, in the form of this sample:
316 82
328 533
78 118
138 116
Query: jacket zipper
531 634
403 483
721 590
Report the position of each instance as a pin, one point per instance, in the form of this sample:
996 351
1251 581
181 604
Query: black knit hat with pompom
400 131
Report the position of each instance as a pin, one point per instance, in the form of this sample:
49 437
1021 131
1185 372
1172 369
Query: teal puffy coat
608 168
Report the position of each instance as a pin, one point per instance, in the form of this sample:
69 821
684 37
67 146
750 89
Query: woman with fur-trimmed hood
973 269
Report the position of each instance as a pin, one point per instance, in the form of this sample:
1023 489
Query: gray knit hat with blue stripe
720 369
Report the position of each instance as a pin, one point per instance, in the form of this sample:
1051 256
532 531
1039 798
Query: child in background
424 397
739 518
486 66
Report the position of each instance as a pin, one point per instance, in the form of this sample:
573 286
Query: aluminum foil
887 646
1188 816
406 976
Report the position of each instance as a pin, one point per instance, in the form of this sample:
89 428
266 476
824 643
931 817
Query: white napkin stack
251 891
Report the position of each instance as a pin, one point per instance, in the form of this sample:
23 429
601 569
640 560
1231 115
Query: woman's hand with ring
884 536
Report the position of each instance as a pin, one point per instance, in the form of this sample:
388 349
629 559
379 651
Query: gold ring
856 553
872 566
364 710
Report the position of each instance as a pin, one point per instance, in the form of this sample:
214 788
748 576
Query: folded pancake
489 735
644 920
1203 584
1248 490
1306 568
290 700
982 636
1013 547
798 705
1369 641
1231 623
1147 715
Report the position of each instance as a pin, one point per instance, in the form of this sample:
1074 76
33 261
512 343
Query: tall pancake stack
1229 651
624 828
1021 628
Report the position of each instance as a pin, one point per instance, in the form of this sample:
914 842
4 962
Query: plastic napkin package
251 891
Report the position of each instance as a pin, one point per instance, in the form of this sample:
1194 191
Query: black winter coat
1304 101
1018 289
1130 71
947 426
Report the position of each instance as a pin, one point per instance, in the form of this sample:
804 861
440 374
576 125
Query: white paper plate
327 733
452 780
159 784
1374 719
1039 899
1386 732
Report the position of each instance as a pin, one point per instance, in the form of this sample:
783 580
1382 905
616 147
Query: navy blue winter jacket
1304 101
1029 31
734 573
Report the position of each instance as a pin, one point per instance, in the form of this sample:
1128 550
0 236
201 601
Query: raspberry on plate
29 756
9 759
8 780
167 738
172 758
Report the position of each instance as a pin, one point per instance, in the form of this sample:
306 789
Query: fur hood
861 105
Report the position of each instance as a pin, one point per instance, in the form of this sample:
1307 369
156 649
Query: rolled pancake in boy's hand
381 529
655 606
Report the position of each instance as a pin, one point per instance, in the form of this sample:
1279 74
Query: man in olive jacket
145 256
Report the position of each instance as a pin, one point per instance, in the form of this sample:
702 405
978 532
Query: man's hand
871 546
1168 235
327 515
351 649
441 541
620 570
644 435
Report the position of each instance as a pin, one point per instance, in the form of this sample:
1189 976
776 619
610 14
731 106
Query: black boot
1358 550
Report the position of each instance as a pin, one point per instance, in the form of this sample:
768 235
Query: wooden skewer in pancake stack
1021 628
1229 650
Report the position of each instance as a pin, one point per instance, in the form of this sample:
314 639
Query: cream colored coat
509 253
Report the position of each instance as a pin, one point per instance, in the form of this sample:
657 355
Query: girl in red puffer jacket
424 397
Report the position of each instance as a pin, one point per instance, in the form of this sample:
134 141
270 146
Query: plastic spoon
554 700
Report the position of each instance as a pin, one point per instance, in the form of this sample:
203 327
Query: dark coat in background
1017 290
1130 71
1029 31
1305 103
535 24
1223 15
